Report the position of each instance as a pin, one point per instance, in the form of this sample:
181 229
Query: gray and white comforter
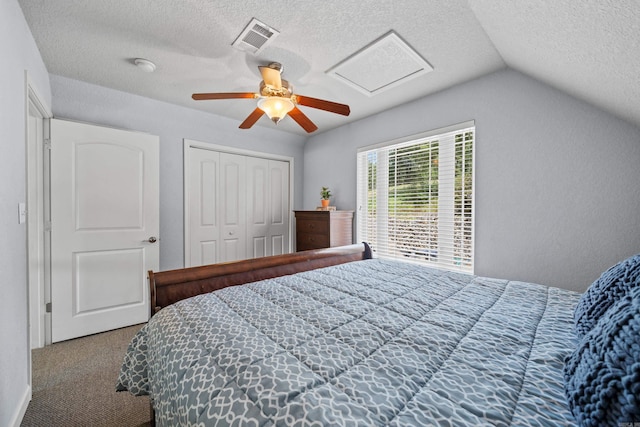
368 343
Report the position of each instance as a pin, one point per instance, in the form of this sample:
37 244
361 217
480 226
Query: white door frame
189 143
37 216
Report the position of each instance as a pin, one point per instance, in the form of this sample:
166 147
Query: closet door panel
279 212
267 207
232 207
204 224
258 207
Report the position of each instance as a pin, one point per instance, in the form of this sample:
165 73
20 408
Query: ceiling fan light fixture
276 100
275 107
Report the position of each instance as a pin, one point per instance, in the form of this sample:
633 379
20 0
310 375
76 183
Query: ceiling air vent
255 37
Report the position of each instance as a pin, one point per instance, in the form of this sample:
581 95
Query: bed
335 337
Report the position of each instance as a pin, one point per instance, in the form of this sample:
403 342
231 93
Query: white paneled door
104 227
278 234
237 206
233 203
203 224
267 207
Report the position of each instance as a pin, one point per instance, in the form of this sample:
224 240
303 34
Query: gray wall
557 180
85 102
19 53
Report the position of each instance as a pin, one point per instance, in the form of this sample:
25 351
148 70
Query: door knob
152 239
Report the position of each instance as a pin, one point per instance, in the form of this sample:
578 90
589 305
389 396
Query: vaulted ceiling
587 48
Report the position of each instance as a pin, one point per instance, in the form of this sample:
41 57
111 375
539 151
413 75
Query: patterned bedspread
368 343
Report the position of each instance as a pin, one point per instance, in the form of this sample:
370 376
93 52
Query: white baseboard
22 409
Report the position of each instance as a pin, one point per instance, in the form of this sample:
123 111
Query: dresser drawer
306 241
311 226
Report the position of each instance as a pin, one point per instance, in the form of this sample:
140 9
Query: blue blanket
367 343
603 374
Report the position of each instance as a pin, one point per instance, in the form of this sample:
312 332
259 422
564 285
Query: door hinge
47 143
47 307
47 226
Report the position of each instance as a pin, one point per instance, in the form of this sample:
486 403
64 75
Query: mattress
367 343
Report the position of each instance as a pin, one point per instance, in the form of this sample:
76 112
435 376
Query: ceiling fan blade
321 104
302 120
271 76
228 95
252 119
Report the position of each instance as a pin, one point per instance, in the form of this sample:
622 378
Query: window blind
415 199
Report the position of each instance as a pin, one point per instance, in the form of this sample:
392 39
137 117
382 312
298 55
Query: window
415 198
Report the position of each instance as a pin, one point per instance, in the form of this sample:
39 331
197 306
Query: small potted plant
325 195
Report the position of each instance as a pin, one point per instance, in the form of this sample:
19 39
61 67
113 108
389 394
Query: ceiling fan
276 100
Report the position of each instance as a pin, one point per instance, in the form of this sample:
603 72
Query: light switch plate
22 213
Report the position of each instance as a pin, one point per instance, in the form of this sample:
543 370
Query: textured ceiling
589 48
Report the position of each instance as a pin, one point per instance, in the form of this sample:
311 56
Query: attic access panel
382 65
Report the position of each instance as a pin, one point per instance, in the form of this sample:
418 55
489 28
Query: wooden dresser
323 229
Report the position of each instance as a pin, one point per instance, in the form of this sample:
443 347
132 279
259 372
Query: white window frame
443 257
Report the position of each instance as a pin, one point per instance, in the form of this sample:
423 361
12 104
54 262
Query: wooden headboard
170 286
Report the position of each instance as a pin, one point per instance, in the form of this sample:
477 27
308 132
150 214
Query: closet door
236 206
202 198
267 207
233 233
257 206
278 232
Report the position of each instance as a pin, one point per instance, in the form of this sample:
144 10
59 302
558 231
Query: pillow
612 285
602 376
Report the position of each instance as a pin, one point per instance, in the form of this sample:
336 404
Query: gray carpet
74 384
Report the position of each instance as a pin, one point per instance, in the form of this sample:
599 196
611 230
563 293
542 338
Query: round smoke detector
145 65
